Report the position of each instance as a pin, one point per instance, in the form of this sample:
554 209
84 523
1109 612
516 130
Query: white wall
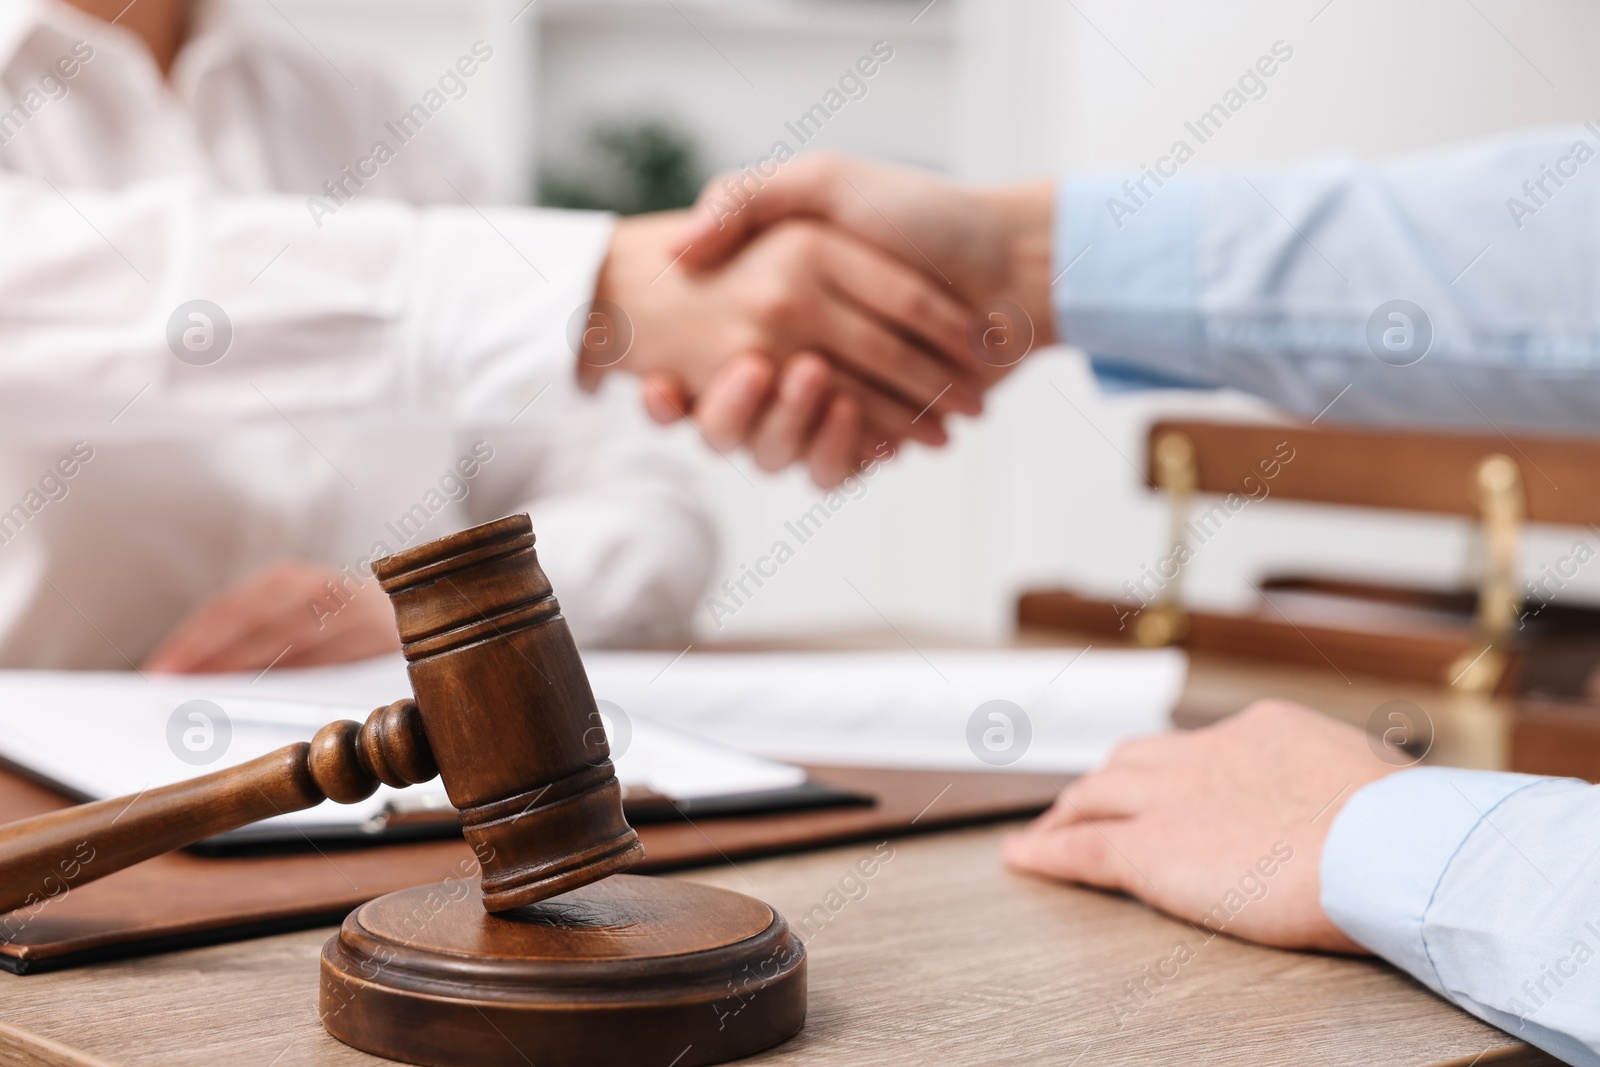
1041 489
413 42
735 72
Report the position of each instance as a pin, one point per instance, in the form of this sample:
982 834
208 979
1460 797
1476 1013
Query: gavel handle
45 856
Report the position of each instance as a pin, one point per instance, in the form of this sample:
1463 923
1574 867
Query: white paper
104 734
903 709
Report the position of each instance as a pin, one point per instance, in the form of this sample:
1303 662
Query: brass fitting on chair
1178 477
1497 487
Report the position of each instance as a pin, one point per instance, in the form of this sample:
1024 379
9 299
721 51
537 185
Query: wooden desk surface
947 958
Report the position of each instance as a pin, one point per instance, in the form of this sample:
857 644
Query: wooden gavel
503 711
614 971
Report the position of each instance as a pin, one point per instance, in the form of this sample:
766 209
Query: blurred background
629 104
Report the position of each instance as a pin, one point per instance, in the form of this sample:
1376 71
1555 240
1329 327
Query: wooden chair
1502 635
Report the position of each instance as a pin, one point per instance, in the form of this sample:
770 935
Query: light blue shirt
1483 886
1283 281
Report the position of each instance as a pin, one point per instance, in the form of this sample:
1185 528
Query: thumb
714 229
736 205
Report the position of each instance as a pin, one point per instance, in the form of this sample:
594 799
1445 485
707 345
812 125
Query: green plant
631 167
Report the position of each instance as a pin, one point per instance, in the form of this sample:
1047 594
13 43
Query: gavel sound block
555 958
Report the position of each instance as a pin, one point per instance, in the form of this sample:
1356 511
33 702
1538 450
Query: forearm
1272 281
1026 214
384 305
1481 886
633 561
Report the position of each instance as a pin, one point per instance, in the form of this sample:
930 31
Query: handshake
824 310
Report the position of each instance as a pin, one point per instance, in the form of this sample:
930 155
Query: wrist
650 314
1026 212
602 338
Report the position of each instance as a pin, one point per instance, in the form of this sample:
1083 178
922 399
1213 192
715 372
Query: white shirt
369 354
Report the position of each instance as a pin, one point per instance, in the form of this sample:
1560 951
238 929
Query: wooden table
946 959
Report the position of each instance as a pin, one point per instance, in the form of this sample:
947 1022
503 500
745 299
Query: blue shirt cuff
1126 288
1389 848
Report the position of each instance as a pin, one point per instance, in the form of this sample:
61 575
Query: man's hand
898 339
290 614
983 244
1222 826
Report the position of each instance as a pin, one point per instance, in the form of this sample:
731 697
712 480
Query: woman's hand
289 614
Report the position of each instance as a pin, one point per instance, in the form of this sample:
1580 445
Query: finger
728 407
187 642
170 654
1107 794
906 298
888 418
209 649
281 590
214 625
362 627
263 647
831 455
339 645
877 354
588 376
780 438
1081 853
733 207
665 397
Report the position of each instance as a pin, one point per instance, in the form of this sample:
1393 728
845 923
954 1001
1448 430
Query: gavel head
508 713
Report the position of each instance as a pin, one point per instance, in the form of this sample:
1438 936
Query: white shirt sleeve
456 310
623 531
1483 886
359 346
